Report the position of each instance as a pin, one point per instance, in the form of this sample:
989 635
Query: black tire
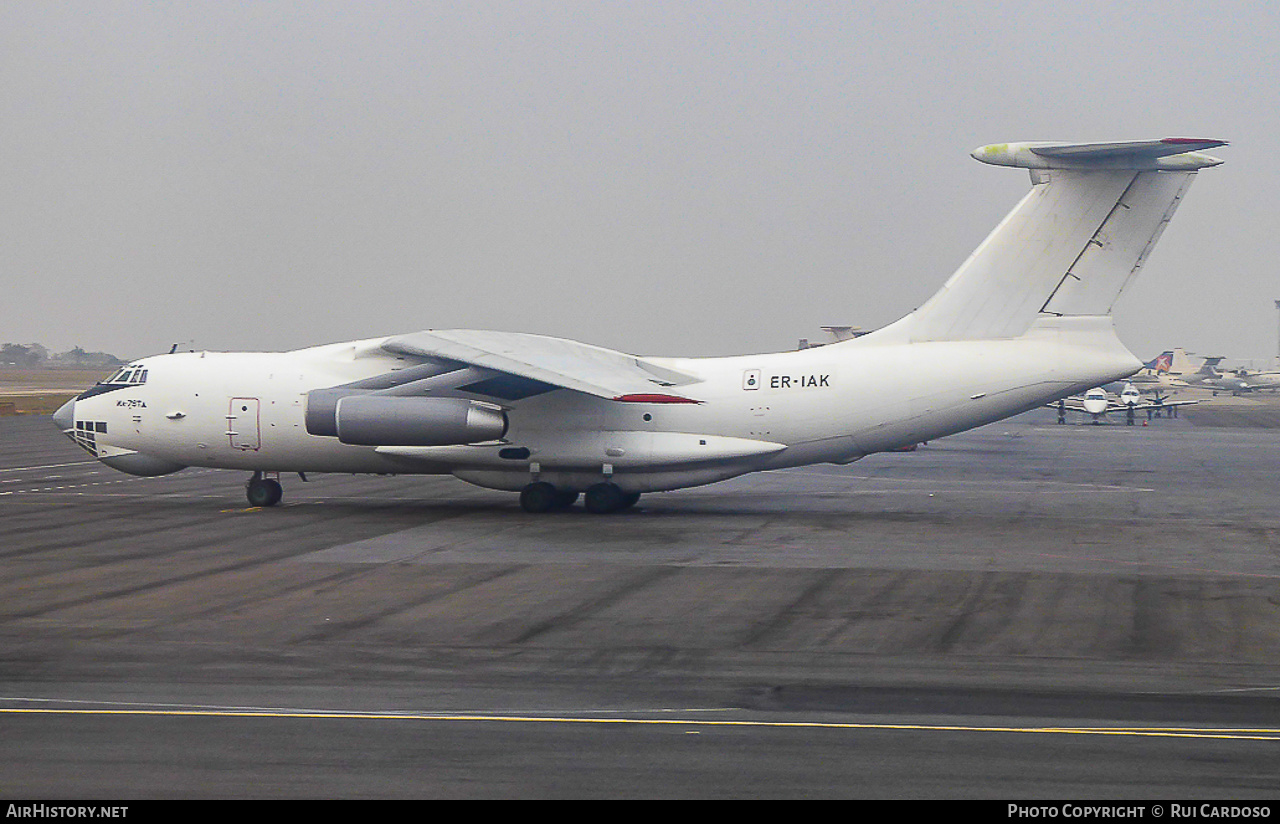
602 499
538 497
566 498
264 492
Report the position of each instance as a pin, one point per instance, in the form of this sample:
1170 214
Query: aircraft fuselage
1025 320
835 403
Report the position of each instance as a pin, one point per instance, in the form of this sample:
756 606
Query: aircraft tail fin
1074 242
1210 365
1160 363
1180 363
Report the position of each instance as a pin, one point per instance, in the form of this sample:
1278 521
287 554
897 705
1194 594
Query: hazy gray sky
661 178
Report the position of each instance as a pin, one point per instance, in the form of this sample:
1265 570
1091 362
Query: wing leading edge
567 364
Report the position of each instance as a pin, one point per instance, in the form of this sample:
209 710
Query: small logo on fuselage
752 379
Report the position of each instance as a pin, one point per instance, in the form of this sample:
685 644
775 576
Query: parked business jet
1025 320
1234 381
1097 402
1210 377
1175 367
1256 379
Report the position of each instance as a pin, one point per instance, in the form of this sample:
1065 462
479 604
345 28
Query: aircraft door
243 424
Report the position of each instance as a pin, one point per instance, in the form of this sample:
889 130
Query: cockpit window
129 374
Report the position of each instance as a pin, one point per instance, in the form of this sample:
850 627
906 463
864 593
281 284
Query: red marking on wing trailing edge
654 399
1175 141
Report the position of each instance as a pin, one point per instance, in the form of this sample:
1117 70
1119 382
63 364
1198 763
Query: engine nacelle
381 420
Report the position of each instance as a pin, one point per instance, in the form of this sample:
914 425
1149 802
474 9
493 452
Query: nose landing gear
263 491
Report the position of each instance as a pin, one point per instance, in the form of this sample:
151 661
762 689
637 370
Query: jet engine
381 420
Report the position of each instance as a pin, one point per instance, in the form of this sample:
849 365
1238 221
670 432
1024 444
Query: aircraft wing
1074 405
562 363
1140 407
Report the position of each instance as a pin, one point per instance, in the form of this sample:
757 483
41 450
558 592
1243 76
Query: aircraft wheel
629 500
539 496
264 492
566 498
604 498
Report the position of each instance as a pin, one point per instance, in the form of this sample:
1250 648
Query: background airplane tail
1210 366
1160 363
1074 242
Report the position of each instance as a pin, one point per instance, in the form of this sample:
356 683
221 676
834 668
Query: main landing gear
262 491
543 497
600 499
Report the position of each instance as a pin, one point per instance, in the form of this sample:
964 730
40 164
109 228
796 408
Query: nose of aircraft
65 417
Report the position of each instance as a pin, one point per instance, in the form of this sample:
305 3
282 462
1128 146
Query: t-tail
1210 366
1070 247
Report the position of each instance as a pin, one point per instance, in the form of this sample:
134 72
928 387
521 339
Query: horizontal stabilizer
1168 154
1210 365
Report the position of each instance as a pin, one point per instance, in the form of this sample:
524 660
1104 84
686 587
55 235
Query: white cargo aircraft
1025 320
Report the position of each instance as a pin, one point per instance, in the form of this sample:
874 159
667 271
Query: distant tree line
35 355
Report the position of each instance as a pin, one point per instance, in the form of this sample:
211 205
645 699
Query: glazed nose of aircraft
65 417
